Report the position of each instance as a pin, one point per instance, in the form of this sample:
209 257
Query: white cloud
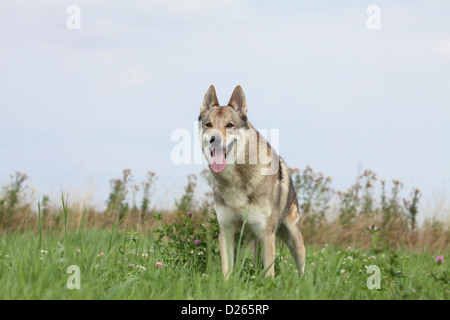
71 62
442 46
196 7
134 76
102 55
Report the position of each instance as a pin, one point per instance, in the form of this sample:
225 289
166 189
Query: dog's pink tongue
218 162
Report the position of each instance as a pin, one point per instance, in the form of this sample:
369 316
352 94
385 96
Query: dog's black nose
214 138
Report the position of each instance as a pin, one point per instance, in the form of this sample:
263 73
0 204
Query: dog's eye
230 125
208 125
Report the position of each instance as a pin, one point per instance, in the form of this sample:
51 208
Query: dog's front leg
269 254
226 244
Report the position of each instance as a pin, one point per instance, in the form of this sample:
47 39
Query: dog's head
221 126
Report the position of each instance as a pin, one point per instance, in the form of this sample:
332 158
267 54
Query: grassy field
370 248
128 265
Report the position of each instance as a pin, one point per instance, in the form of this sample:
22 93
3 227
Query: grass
118 265
174 254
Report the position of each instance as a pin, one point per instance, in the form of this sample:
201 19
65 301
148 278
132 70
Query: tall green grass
114 266
134 252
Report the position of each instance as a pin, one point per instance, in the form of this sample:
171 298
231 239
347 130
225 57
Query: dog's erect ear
237 101
210 100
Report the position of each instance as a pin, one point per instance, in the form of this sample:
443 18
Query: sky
77 106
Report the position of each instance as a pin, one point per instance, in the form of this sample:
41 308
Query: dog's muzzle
219 155
226 150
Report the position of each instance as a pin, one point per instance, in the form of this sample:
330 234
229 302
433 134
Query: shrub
12 199
187 243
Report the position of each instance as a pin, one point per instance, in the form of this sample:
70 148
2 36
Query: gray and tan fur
243 189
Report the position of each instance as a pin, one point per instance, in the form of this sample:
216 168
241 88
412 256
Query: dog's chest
235 192
232 197
235 204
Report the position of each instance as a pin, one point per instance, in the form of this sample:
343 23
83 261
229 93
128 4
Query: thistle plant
314 193
185 203
11 198
187 243
146 193
116 204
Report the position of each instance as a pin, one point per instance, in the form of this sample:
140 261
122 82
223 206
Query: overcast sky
77 106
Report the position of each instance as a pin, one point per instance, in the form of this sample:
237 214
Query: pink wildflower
159 265
439 260
197 242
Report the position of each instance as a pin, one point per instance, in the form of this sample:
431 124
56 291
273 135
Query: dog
251 184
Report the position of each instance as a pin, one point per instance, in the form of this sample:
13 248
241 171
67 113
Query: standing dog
251 183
